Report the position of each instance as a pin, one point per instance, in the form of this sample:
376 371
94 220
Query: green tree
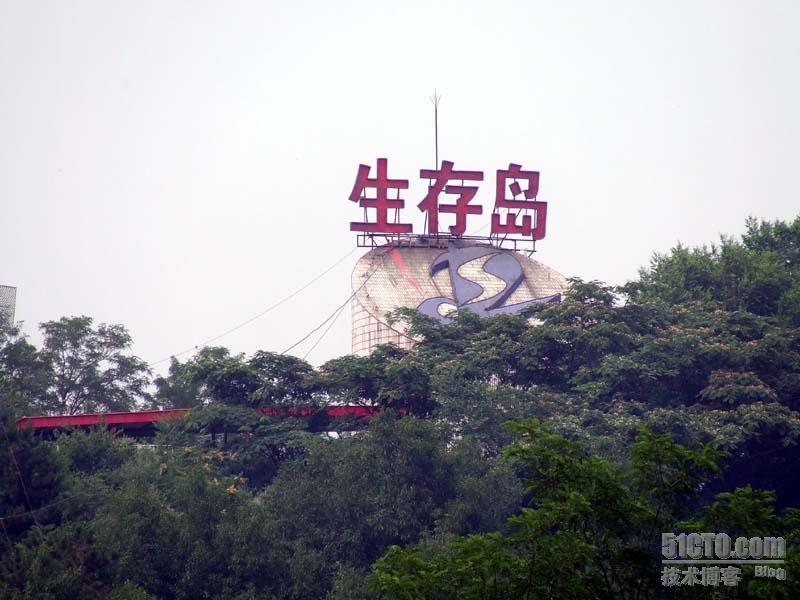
179 389
285 379
588 532
89 368
213 375
343 502
758 274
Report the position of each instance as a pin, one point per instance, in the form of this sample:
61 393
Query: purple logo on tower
503 265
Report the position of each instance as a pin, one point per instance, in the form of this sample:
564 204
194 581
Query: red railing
144 418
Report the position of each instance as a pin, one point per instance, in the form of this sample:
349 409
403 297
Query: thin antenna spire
435 99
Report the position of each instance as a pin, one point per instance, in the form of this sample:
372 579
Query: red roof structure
143 422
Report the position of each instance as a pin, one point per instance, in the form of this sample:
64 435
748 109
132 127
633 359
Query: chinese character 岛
528 202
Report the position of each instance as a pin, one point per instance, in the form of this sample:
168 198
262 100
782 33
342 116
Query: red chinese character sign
381 202
517 212
526 203
465 193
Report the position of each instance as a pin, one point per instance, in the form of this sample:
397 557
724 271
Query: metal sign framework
443 240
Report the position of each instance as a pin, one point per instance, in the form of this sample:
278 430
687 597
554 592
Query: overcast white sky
179 166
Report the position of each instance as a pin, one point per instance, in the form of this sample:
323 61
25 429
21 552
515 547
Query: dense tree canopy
529 456
80 368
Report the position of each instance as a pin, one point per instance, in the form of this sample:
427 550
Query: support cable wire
5 532
340 307
331 316
41 508
259 315
324 333
21 482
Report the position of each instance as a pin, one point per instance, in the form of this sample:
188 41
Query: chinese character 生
381 202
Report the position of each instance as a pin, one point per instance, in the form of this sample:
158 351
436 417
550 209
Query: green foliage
80 368
732 388
587 534
215 376
180 389
668 404
285 379
254 445
759 274
671 474
345 501
388 377
221 418
94 451
30 479
751 512
89 368
23 372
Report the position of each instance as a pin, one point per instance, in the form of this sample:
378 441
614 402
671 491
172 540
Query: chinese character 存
670 576
691 576
465 193
528 202
730 575
381 202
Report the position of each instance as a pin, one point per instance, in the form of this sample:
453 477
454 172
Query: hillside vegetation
517 457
